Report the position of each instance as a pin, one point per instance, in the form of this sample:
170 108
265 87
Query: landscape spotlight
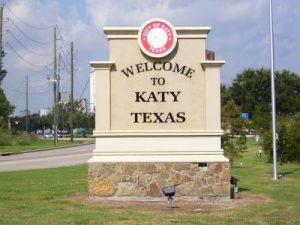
169 192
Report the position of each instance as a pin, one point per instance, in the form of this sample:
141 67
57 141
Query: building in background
44 112
209 55
83 104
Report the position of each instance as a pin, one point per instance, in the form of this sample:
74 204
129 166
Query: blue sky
240 36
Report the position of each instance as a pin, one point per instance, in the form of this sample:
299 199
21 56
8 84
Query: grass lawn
39 197
39 144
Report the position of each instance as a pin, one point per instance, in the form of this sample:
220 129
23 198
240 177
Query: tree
287 92
2 72
253 87
288 140
250 88
81 119
261 117
225 94
234 139
5 109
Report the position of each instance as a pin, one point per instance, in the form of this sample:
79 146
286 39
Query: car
49 135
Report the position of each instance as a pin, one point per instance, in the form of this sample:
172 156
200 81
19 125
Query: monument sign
157 105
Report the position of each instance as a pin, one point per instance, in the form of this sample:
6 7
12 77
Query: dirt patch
244 199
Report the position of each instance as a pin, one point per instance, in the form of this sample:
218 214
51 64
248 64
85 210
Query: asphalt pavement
47 159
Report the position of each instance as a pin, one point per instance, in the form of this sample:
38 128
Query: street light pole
54 88
72 93
273 92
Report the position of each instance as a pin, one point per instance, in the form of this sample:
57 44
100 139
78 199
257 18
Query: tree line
81 119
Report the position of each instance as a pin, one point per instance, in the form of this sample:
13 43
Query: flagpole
273 91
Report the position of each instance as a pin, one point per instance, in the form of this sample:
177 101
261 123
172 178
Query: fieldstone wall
147 180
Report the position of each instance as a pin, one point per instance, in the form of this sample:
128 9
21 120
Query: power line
39 84
25 35
63 42
22 92
25 60
64 53
20 43
16 96
65 66
88 81
27 24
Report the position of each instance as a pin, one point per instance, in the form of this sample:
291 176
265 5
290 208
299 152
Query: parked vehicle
48 135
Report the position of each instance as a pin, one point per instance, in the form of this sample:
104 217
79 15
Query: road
47 159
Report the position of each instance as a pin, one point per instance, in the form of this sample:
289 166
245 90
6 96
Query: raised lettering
129 70
189 72
158 118
170 117
147 68
139 67
152 97
163 96
155 64
175 95
180 117
147 118
167 68
136 120
177 69
139 96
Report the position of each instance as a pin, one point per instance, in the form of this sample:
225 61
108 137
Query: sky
240 36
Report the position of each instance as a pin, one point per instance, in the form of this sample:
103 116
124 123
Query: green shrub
288 140
25 139
5 139
34 138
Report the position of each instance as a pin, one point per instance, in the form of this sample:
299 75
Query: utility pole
58 93
1 32
54 88
26 104
72 92
58 79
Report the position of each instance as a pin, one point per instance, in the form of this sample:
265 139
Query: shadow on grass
241 189
291 172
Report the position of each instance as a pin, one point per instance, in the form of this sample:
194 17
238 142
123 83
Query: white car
48 135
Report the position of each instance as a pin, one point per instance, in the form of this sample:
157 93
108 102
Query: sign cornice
132 32
102 65
212 63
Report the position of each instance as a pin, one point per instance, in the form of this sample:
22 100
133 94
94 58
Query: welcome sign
157 101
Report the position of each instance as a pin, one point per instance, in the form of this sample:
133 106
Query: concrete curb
44 149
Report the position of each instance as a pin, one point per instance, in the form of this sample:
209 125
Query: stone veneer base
145 181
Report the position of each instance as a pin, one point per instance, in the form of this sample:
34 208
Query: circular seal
157 38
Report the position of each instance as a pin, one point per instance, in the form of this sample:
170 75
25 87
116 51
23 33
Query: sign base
144 181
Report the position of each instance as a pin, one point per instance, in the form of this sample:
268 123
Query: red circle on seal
157 38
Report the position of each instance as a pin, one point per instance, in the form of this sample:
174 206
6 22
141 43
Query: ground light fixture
169 192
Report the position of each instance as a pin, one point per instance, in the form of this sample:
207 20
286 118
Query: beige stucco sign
157 99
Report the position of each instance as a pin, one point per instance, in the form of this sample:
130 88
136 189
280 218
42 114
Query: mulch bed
244 199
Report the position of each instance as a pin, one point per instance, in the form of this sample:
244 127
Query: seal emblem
157 38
